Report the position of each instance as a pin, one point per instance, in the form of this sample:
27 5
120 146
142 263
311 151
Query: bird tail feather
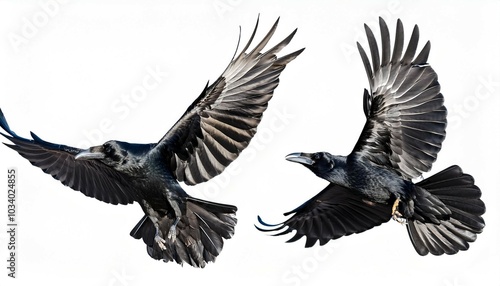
447 213
200 233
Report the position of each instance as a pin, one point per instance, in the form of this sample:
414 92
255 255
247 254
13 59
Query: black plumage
404 129
212 132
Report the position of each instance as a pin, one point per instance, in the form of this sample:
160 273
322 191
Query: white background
67 72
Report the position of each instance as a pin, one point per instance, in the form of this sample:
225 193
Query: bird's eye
317 156
107 147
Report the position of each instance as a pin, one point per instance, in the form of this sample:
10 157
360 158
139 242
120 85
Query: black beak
93 153
302 158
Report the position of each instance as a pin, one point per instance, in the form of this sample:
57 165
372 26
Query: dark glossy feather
406 118
216 127
404 129
200 233
92 178
333 213
223 120
461 197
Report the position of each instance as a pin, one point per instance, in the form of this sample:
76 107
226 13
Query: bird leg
174 203
396 215
153 216
158 239
172 232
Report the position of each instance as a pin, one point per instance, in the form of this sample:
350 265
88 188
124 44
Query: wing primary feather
226 114
386 42
242 54
366 63
373 49
288 58
266 39
278 47
423 55
332 213
398 43
412 47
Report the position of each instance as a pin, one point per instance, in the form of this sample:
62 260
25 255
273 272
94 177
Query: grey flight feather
92 178
404 104
223 120
334 212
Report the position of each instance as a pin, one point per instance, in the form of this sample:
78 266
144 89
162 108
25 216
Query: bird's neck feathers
337 174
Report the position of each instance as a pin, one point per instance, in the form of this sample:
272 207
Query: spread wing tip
220 123
406 84
270 227
284 60
366 63
5 126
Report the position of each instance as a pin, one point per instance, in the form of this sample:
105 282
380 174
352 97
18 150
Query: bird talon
161 242
395 207
172 233
396 215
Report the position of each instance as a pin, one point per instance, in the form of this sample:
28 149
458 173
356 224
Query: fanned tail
447 216
200 233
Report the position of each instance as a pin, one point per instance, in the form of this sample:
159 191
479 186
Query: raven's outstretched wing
334 212
406 118
220 123
91 177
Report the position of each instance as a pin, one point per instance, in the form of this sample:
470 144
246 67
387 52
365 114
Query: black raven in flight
405 126
212 132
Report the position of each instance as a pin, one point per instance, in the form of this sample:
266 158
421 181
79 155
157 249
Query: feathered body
404 130
210 135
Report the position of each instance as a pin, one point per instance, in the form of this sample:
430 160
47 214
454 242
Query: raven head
111 153
319 163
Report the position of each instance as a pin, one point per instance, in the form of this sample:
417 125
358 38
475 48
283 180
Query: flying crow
211 134
404 129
